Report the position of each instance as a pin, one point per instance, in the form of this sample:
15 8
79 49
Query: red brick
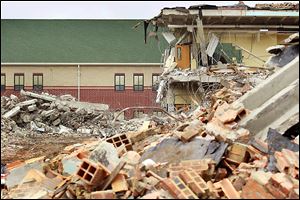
221 174
107 194
275 191
294 194
229 190
194 182
291 157
253 190
92 173
281 181
177 188
281 163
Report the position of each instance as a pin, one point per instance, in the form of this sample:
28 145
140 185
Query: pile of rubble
43 113
278 6
206 155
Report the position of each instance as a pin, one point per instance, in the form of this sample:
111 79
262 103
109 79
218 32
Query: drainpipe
78 82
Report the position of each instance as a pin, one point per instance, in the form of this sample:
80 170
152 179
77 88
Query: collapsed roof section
237 16
198 54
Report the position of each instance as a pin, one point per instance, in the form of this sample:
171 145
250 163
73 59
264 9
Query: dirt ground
31 147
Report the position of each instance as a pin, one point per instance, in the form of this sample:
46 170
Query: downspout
78 82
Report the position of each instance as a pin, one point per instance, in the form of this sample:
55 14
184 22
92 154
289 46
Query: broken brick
107 194
194 182
119 184
229 190
92 173
253 190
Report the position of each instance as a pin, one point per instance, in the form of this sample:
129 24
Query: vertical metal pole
78 82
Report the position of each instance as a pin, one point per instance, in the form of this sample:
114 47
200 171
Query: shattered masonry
239 140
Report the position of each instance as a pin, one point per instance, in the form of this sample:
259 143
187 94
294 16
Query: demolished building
209 45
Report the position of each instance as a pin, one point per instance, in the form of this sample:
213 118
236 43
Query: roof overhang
217 17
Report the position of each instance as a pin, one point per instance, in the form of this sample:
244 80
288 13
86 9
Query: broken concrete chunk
14 98
56 122
228 113
27 103
12 112
47 113
84 130
106 154
32 108
275 49
38 96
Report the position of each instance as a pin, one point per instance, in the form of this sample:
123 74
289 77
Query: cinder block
177 188
194 182
118 140
92 173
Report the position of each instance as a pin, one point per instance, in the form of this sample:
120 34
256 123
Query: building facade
100 61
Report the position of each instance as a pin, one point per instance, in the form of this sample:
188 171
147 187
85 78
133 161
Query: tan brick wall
89 76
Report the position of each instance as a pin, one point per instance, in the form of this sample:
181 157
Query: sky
97 9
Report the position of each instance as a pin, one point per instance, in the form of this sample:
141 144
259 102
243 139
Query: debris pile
207 155
43 113
278 6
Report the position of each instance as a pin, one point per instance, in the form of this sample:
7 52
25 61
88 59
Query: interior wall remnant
182 56
201 40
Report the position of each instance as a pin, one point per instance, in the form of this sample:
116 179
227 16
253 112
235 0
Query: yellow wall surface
256 43
104 76
89 75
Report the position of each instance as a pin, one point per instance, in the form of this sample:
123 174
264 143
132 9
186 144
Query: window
155 81
19 82
3 80
37 82
119 82
138 82
178 53
157 113
138 114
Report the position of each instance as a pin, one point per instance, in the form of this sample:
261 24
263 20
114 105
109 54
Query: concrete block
106 154
12 112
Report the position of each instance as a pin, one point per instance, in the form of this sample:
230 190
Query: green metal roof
76 41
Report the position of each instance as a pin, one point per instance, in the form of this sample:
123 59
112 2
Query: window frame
4 86
179 53
153 88
33 85
157 113
15 86
115 85
143 80
139 113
